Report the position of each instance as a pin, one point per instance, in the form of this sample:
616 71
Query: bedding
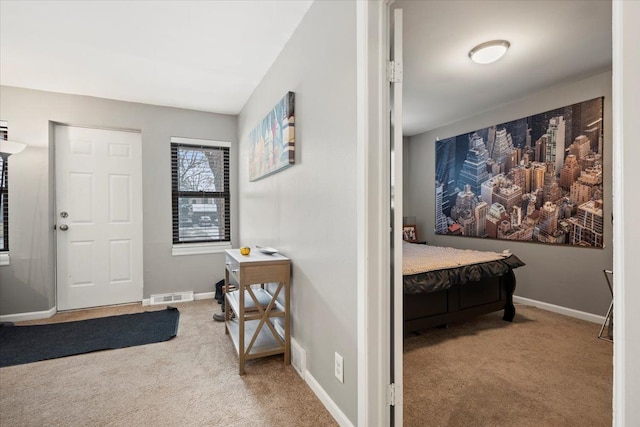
444 285
433 268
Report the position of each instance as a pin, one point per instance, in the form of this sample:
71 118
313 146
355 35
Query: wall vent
171 298
298 358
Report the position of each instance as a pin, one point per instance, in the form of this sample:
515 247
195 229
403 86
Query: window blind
4 193
200 193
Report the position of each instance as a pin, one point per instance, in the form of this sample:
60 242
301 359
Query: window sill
5 259
199 248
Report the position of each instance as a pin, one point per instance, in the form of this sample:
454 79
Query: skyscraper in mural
441 219
474 169
555 143
587 226
502 148
446 171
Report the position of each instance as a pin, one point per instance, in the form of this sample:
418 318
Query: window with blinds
200 191
4 193
4 205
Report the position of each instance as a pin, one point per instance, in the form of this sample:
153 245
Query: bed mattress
433 268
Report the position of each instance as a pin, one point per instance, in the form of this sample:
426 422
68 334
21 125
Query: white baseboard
299 363
204 295
20 317
196 297
594 318
326 400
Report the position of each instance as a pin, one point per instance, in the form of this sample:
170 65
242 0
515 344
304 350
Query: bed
444 285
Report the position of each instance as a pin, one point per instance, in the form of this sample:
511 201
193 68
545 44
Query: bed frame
460 302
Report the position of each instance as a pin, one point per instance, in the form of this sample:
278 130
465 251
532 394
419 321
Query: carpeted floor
191 380
544 369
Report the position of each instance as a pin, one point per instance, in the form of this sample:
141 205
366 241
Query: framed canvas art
409 233
272 141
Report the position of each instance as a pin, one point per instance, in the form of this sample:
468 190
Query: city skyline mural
535 179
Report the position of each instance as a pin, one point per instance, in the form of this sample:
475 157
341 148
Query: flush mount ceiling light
489 52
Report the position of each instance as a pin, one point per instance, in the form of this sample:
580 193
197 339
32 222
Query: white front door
98 217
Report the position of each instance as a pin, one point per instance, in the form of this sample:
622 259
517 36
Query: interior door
98 217
396 216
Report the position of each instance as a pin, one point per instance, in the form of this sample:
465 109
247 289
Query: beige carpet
543 369
191 380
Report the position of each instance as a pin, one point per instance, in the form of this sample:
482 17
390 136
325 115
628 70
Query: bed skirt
433 281
460 302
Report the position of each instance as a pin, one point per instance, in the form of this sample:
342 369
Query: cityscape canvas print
535 179
272 141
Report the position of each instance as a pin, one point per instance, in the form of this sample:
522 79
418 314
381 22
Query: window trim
197 248
180 249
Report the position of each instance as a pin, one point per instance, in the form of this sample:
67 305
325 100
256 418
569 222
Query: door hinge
391 394
394 71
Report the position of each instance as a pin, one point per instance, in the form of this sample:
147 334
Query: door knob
64 227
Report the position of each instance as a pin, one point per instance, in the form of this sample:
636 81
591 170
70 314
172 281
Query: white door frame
56 219
373 318
397 189
626 334
372 204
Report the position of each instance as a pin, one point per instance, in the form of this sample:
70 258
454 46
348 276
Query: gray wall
560 275
308 211
28 284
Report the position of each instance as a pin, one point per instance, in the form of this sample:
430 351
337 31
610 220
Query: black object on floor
27 344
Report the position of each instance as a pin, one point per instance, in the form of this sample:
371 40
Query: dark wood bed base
460 302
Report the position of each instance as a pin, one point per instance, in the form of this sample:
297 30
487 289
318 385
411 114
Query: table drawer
233 267
265 274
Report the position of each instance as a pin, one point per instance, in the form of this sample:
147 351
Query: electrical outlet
338 368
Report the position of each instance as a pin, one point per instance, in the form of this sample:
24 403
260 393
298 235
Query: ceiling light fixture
489 52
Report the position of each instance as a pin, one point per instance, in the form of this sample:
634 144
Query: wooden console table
260 326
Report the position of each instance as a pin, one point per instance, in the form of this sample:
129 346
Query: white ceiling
551 41
201 55
210 55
